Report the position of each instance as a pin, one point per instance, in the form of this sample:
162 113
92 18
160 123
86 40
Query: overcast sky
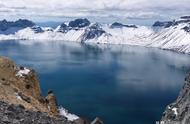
137 9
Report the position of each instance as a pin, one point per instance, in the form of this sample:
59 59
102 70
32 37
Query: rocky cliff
179 111
21 101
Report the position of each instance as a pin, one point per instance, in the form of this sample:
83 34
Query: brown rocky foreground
20 95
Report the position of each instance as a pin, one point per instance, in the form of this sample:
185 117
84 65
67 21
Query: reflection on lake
120 84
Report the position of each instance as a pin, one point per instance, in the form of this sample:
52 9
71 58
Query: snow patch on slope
69 116
23 72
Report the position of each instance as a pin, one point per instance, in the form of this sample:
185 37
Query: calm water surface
120 84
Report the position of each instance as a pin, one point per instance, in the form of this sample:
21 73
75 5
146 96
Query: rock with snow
186 28
79 23
179 111
23 71
94 31
37 29
63 28
97 121
69 116
20 86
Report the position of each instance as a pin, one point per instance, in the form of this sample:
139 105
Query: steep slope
179 111
20 86
172 35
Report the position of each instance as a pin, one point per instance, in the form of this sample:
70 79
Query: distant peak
120 25
21 23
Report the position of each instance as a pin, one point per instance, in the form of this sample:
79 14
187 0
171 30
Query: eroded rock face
20 85
52 103
179 111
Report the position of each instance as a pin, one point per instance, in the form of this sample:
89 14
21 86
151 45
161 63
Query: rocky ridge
21 101
179 111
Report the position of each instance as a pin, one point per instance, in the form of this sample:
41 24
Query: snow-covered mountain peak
93 32
79 23
76 24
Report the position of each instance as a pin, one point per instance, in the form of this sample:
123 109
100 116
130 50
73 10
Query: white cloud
104 8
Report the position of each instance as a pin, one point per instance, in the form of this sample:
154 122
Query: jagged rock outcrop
94 31
52 103
19 85
179 111
21 101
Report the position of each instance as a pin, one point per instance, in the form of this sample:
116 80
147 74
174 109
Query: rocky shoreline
21 101
179 111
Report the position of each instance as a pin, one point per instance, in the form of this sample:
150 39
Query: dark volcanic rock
93 31
179 111
17 114
79 23
21 23
119 25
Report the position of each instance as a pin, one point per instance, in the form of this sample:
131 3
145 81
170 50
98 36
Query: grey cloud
107 8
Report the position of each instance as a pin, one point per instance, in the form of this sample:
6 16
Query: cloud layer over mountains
101 8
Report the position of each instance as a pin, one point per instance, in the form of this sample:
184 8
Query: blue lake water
119 84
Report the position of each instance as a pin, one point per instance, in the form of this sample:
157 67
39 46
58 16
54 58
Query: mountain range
171 35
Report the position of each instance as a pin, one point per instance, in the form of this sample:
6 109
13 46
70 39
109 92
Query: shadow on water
121 84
